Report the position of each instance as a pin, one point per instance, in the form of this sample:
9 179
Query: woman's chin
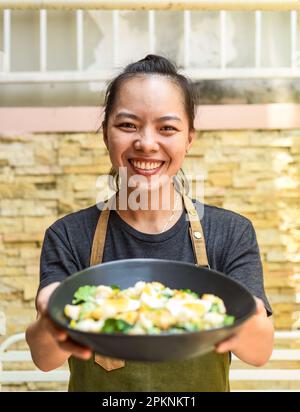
151 183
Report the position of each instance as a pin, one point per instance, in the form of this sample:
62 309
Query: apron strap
196 233
100 233
99 238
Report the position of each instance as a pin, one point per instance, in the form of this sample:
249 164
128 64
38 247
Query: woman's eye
168 128
127 125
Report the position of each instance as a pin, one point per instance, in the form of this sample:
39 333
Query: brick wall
45 176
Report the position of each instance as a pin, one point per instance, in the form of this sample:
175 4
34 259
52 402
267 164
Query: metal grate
222 71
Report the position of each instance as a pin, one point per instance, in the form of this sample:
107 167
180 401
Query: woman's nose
147 142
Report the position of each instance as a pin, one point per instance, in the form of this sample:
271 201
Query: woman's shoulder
83 219
215 215
224 228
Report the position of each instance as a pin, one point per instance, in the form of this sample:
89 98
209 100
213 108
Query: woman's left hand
253 342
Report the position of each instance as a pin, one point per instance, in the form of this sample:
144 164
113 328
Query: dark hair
152 64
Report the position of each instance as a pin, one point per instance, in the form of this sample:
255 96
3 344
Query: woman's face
148 129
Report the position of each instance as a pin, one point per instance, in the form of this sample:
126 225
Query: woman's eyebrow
168 118
125 114
135 117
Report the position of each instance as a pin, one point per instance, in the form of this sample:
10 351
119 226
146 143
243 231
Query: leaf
190 292
84 294
115 325
167 293
229 320
85 309
190 327
115 287
214 308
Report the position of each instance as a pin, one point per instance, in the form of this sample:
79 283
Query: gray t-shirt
230 242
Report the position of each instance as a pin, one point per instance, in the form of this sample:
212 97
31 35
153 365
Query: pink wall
209 117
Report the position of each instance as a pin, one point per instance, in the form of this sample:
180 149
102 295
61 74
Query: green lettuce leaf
115 325
190 292
115 287
229 320
84 294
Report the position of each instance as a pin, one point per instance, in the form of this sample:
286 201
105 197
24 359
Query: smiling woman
148 127
148 144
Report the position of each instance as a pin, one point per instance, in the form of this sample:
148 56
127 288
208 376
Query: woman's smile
146 167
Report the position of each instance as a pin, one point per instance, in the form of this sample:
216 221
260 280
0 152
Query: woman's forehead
150 91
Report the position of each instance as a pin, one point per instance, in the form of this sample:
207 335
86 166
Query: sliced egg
206 303
112 306
161 318
139 286
215 319
104 292
129 317
174 306
89 325
153 302
72 311
145 322
185 311
196 307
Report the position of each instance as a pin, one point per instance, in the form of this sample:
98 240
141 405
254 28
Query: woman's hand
253 343
60 336
49 345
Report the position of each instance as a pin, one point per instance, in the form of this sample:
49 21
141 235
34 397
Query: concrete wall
134 44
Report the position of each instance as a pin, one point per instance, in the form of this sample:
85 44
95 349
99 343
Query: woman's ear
191 138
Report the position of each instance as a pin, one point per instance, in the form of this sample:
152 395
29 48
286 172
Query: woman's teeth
146 165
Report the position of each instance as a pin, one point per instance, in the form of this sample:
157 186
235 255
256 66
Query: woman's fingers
227 345
56 332
232 343
59 335
64 342
76 350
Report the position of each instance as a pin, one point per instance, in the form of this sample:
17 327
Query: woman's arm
253 343
50 346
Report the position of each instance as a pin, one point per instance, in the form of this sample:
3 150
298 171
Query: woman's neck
150 213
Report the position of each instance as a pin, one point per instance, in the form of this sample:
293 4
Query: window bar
223 39
115 37
258 16
79 39
151 28
187 37
6 40
294 54
43 40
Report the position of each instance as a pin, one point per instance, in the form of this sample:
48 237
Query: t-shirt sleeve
243 262
57 260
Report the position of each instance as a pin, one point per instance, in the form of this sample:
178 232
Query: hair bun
152 63
151 56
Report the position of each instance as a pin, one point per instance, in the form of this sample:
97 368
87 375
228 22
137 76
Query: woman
148 129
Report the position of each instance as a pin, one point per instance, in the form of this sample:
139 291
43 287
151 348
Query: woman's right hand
59 335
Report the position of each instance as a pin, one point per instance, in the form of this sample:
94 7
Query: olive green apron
207 373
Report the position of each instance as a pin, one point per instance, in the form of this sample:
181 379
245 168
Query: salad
145 308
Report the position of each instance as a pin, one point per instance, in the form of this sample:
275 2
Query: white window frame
80 75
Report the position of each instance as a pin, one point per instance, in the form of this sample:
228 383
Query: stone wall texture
46 176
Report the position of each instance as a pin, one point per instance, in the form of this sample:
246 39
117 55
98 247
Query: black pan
177 275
